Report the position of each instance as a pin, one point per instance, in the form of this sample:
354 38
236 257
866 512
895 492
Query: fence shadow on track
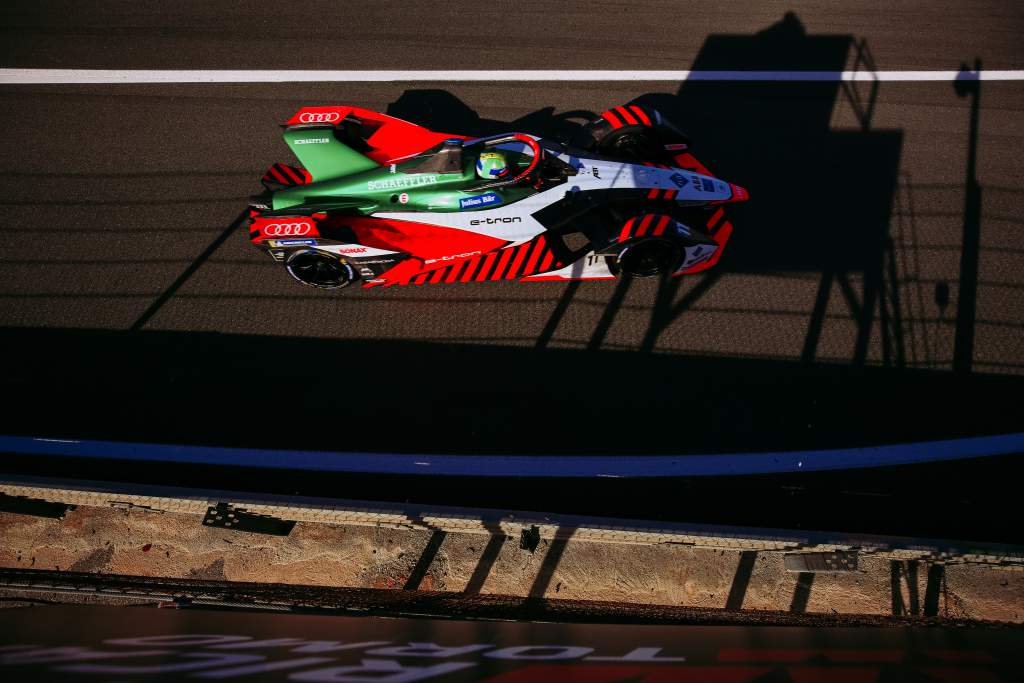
824 198
906 597
821 197
741 579
488 557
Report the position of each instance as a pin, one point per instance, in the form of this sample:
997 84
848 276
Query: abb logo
319 117
287 229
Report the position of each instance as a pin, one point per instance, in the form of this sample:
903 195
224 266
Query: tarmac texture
884 234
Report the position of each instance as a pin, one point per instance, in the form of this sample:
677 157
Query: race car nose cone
739 194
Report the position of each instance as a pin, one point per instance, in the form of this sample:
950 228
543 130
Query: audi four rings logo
287 229
319 117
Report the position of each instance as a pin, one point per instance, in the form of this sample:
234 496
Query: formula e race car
382 201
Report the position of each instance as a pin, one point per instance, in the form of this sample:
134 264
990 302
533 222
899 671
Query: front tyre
632 142
649 257
321 270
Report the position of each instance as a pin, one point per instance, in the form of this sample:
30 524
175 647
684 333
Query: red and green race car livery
381 201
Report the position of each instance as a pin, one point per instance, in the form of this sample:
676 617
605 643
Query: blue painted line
529 465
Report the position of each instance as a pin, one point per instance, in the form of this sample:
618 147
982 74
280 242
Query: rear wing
323 153
366 133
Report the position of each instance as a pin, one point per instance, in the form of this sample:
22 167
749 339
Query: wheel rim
319 270
630 146
649 258
633 145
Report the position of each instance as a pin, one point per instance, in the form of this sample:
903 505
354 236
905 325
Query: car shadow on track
442 111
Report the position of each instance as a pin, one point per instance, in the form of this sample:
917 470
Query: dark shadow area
741 579
266 392
910 568
802 592
967 298
488 557
33 506
899 607
935 587
901 573
442 111
426 559
821 198
555 550
303 393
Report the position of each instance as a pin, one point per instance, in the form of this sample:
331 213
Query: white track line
100 76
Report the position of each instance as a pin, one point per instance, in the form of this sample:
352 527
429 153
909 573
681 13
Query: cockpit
526 161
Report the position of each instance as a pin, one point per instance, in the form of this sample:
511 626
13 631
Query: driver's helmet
491 165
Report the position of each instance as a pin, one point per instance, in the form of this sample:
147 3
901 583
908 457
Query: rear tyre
649 257
317 269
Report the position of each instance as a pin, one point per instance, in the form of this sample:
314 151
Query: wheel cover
319 270
632 145
649 258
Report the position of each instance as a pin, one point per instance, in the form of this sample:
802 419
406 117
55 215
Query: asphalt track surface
872 292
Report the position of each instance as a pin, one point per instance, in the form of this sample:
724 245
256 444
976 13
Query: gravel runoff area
146 543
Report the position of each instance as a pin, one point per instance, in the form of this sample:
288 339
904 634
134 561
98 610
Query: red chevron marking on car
641 115
624 114
612 119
